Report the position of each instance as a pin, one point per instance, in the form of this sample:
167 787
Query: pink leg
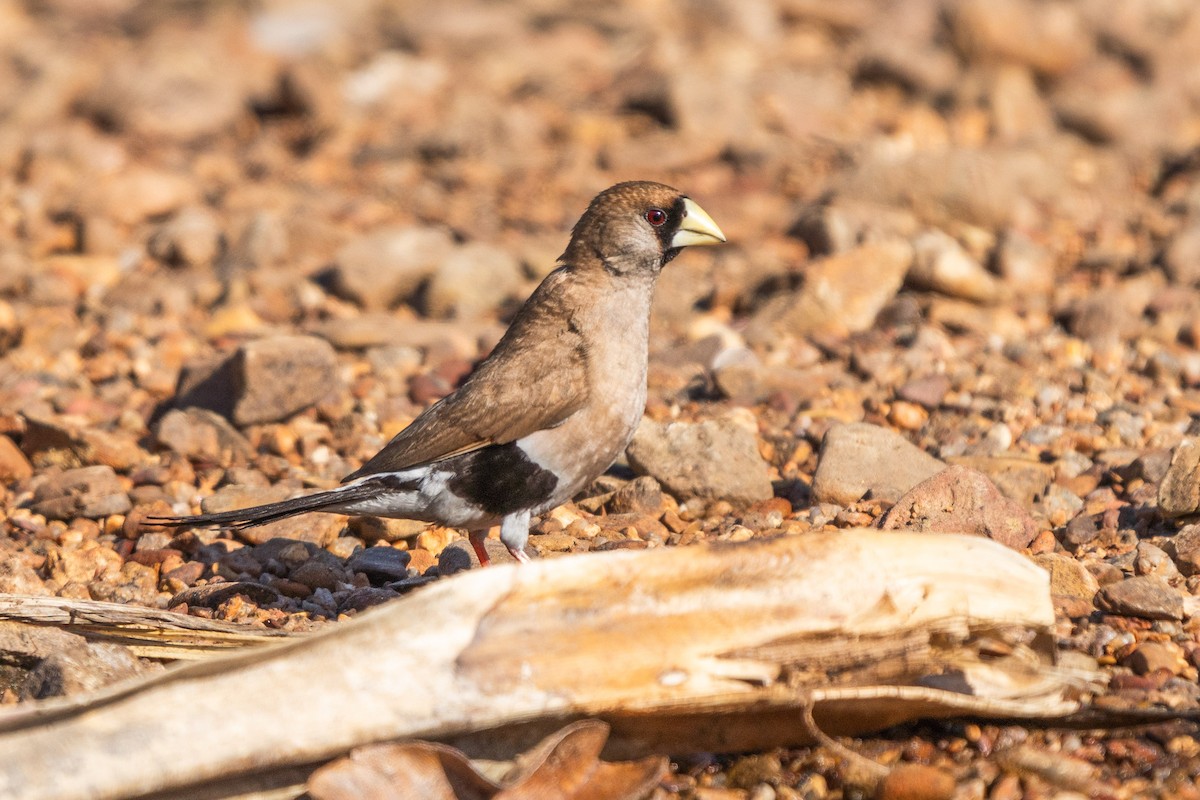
477 539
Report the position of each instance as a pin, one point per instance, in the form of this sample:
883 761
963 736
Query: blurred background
972 223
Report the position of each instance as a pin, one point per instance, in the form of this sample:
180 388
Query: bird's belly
581 448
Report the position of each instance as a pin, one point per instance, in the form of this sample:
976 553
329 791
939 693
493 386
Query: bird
549 409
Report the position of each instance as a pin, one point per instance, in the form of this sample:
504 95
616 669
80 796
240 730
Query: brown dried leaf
564 766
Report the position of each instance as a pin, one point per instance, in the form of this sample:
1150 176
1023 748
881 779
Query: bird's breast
616 332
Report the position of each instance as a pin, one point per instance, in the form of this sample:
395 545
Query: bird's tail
239 519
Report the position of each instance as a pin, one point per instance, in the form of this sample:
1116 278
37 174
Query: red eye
656 216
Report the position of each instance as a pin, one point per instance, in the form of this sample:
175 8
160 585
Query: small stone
1080 531
435 539
345 547
927 392
907 416
1026 267
1147 597
916 782
1151 657
18 578
960 500
1069 579
383 267
640 496
14 466
714 459
91 492
1184 547
191 238
316 573
380 564
201 435
421 560
383 529
138 192
858 459
1182 256
941 264
1151 560
1179 492
1152 466
364 597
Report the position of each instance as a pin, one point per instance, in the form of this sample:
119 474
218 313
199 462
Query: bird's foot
477 543
519 554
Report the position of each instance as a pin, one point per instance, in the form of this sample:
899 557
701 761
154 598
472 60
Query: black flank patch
395 483
500 479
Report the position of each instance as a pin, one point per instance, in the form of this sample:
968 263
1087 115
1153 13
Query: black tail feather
242 518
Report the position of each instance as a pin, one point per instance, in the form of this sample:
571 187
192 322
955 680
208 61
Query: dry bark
719 647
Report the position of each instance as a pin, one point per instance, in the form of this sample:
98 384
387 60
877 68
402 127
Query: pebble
961 500
916 782
14 466
1150 657
941 264
642 495
1070 580
713 459
859 459
191 238
91 492
203 436
1179 492
1146 597
380 564
1184 547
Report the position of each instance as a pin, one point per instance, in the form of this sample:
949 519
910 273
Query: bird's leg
477 539
514 532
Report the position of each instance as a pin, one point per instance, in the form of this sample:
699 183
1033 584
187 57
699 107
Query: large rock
842 293
961 500
383 267
714 459
264 380
859 458
472 281
91 492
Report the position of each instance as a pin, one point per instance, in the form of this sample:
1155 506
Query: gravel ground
241 245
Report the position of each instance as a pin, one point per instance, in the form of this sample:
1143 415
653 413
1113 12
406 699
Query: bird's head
637 227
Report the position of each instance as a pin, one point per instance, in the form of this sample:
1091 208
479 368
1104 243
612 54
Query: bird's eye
656 216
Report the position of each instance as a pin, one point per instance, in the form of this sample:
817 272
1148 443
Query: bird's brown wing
535 379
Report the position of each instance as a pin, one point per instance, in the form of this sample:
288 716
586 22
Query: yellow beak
697 227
